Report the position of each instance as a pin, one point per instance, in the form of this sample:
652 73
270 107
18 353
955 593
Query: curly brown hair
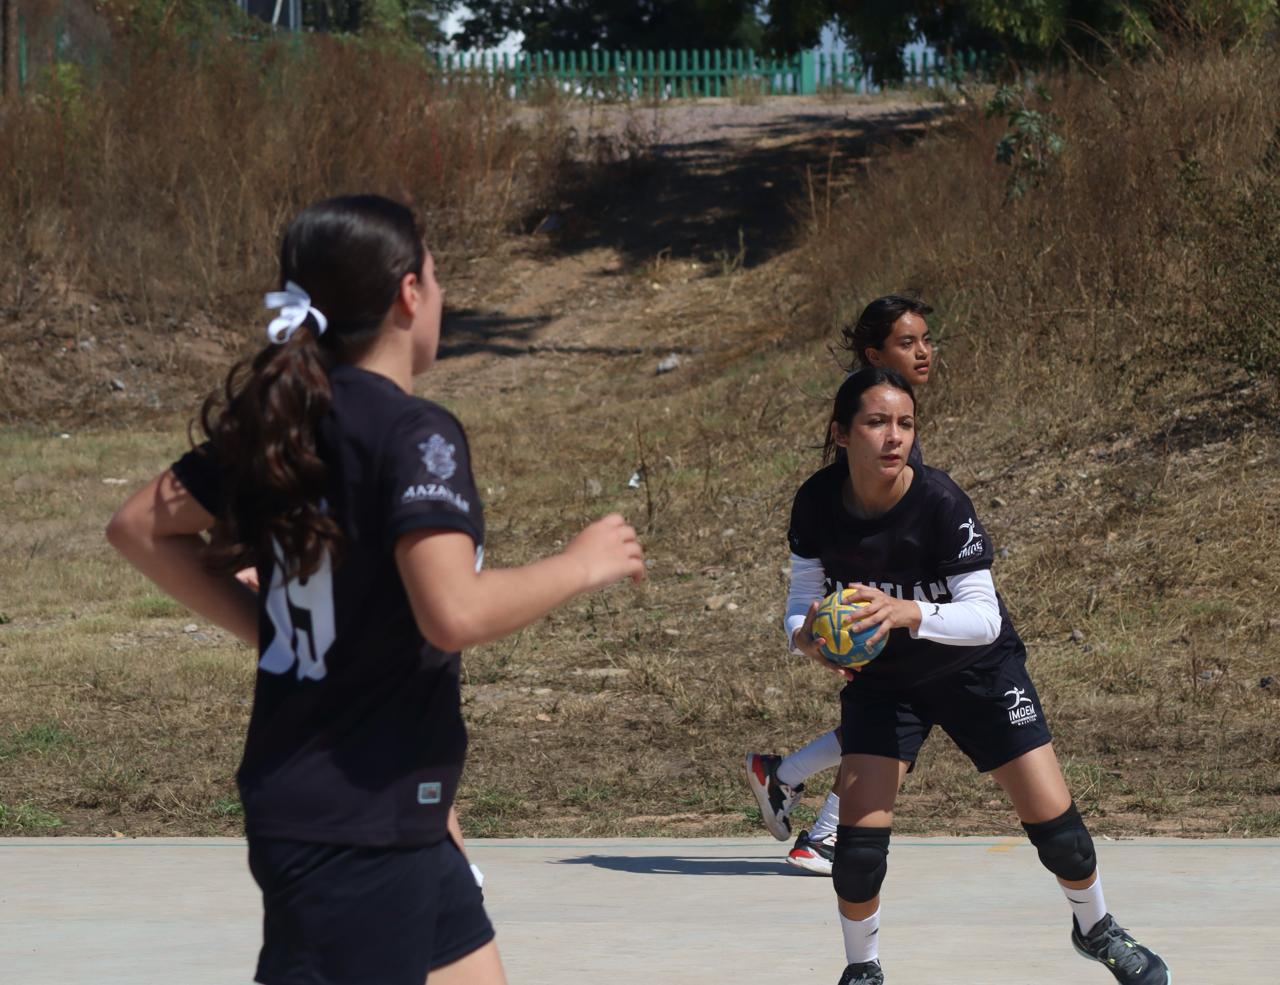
264 425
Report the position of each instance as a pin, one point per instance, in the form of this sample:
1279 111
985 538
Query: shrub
1030 145
1147 250
166 172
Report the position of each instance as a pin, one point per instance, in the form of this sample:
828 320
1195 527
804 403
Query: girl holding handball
891 333
907 541
355 503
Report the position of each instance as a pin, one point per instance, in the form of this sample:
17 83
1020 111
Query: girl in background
891 333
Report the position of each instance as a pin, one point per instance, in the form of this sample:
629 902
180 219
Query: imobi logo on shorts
1022 710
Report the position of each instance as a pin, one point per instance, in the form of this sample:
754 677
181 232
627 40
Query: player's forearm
808 582
457 607
174 564
972 618
499 601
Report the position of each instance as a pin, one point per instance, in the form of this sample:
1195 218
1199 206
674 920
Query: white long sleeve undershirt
971 618
808 581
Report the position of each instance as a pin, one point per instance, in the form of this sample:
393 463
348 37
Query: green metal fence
701 72
653 74
21 52
845 71
714 72
49 42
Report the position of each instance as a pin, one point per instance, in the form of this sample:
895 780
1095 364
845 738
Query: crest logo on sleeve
437 456
1022 711
973 545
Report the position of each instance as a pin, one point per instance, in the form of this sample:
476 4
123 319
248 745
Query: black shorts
990 709
353 915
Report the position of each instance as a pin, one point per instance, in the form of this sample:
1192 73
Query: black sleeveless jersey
356 734
908 552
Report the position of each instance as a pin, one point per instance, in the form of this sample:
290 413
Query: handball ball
842 647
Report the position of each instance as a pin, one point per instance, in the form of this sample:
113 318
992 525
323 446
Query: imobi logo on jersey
1022 711
973 545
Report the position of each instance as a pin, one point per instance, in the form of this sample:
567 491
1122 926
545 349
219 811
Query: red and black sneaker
813 854
775 798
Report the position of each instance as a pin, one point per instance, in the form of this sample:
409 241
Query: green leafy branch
1031 145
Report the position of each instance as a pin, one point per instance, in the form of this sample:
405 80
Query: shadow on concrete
680 865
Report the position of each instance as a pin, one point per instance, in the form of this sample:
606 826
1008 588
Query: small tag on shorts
428 793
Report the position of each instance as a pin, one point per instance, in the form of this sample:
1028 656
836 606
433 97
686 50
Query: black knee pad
1064 845
861 858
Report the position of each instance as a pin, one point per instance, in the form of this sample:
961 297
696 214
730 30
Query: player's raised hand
608 551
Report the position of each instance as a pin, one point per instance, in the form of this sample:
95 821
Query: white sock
828 818
1087 905
820 754
861 938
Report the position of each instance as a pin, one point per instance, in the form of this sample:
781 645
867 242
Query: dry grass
111 711
146 196
1109 285
1109 353
173 171
627 713
1157 706
1149 533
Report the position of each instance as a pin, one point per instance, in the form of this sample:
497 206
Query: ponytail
264 431
347 256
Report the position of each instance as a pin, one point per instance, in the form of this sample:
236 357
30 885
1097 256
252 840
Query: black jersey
356 735
908 552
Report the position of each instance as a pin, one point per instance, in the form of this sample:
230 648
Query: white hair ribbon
294 304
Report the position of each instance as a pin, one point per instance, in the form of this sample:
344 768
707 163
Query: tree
567 25
1031 32
1025 32
415 20
880 30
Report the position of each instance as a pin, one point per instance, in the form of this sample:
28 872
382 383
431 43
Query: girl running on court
891 333
906 540
355 502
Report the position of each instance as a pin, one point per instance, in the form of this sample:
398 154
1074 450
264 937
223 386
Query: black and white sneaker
863 973
1110 944
814 855
775 798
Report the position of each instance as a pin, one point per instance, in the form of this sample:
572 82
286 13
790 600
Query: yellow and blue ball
843 647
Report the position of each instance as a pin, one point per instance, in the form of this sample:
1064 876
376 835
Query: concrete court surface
957 911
